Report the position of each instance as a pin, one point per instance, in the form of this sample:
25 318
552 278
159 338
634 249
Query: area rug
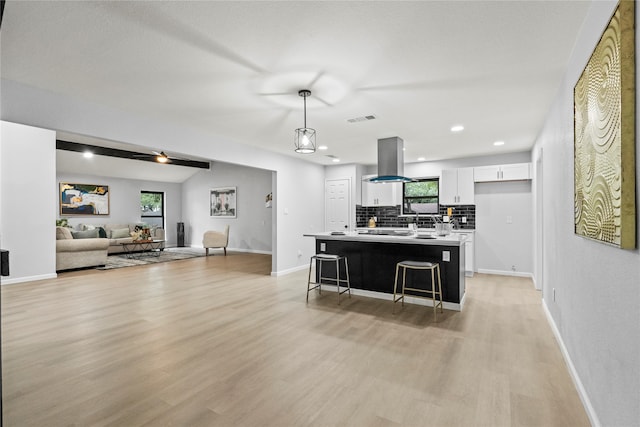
169 254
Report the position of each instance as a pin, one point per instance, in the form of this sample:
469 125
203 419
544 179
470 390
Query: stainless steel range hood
390 161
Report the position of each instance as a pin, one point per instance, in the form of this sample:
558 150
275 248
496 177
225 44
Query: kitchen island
373 254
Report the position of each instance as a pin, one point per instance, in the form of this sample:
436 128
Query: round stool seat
327 256
417 264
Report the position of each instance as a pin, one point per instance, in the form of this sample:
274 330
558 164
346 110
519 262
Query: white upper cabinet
456 187
513 172
380 194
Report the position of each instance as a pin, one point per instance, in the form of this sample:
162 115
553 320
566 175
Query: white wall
28 201
124 201
251 230
504 247
299 184
596 311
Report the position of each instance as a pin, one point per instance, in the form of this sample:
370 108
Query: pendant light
305 138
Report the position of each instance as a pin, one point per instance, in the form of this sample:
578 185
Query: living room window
420 197
152 208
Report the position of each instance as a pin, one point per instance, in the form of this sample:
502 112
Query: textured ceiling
233 69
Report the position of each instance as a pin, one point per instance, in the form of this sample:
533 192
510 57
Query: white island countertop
393 236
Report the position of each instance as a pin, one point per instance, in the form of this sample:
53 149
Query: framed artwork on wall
604 136
84 199
222 202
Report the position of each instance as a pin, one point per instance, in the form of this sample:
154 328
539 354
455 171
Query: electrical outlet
513 268
464 219
509 219
446 256
299 253
323 247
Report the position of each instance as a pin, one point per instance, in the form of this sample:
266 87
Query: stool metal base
418 265
320 259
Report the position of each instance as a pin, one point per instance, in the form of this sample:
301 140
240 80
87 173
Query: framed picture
84 199
604 136
222 202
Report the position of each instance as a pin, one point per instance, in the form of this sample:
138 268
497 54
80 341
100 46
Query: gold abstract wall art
604 136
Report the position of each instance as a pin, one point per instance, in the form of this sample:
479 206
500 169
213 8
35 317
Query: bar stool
320 260
434 267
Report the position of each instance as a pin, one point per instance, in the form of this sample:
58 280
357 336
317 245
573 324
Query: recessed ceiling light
457 128
323 147
336 160
87 154
421 159
498 143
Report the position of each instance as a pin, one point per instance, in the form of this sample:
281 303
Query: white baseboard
586 402
28 279
289 270
246 250
250 251
506 273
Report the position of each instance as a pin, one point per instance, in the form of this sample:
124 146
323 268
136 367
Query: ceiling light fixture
336 160
87 154
305 138
322 147
498 143
457 128
421 159
162 158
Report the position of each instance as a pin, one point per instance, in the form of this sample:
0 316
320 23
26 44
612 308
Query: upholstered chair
216 239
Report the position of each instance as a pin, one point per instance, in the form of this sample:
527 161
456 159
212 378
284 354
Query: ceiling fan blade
275 94
324 102
315 79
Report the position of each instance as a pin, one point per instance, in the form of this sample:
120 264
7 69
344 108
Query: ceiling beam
124 154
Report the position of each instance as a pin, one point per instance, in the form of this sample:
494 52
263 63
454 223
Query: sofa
120 233
79 252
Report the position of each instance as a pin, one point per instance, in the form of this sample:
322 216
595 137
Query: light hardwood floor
218 342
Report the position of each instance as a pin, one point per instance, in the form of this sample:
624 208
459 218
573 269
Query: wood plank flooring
218 342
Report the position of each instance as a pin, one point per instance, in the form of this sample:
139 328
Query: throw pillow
89 234
120 233
63 233
101 233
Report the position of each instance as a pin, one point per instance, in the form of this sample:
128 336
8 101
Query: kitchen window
420 197
152 208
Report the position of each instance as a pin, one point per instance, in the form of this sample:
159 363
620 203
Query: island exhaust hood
390 161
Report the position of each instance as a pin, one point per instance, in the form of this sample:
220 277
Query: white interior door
337 204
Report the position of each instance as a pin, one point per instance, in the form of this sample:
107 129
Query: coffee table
140 248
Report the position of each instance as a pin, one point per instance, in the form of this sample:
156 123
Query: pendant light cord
304 97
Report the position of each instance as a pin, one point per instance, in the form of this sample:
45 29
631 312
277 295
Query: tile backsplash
389 216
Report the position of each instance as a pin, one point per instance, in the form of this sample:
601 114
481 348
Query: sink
379 232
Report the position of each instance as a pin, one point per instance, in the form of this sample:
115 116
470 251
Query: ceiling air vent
362 119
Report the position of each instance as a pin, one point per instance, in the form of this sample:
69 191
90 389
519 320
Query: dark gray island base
372 262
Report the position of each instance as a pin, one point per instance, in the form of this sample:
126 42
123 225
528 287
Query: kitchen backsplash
389 216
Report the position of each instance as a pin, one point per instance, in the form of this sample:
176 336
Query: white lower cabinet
469 251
